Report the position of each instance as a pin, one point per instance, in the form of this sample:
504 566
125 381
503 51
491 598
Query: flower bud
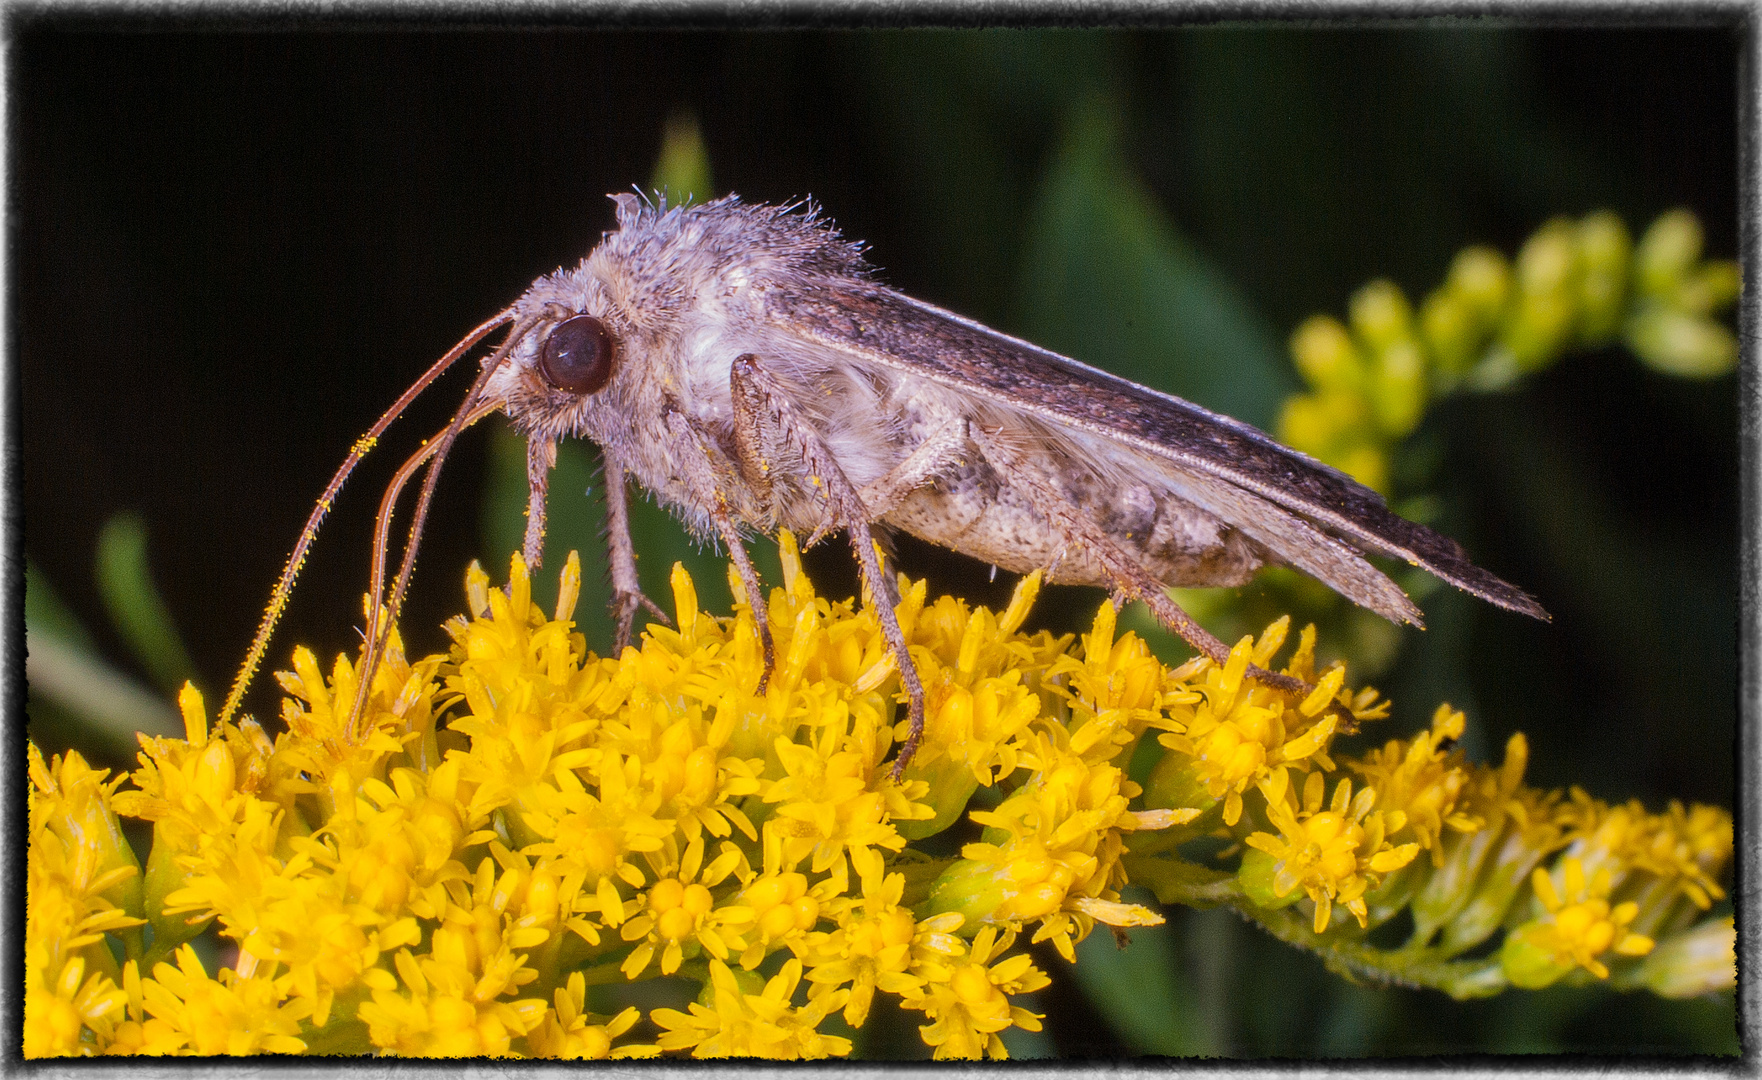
1702 960
1667 251
1398 393
1258 875
1681 344
1547 302
1381 315
1447 324
1604 255
1480 279
1325 354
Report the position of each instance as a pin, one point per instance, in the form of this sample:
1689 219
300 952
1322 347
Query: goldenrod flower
681 912
1335 854
77 869
231 1015
1241 734
1578 927
744 1024
872 948
568 1032
501 827
968 998
1423 781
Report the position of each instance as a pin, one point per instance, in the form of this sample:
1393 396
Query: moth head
571 351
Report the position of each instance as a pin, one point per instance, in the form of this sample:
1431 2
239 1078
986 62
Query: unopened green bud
1452 884
1381 315
1499 886
1174 784
1667 252
1547 303
1546 262
1604 256
1481 278
1257 875
1448 325
1527 961
1702 960
1539 328
165 877
1681 344
1710 287
952 783
1325 355
1398 393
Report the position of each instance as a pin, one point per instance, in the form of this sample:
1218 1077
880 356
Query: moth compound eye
577 357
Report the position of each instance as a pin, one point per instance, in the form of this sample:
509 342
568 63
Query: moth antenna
284 588
381 622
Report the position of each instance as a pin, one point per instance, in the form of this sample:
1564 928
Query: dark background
231 249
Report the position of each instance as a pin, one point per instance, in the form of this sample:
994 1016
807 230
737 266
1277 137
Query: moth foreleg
1130 578
541 456
627 594
751 381
698 470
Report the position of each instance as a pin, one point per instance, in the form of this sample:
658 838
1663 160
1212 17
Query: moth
743 363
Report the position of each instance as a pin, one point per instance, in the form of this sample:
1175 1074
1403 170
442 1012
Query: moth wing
1293 503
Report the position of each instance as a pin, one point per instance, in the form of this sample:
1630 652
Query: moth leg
627 595
945 447
765 398
541 456
700 473
1131 580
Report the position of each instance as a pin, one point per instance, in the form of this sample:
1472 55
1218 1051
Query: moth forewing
1284 499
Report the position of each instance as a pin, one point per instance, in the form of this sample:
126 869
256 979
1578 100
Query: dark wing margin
896 331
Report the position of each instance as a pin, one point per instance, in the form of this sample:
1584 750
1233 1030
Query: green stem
1461 979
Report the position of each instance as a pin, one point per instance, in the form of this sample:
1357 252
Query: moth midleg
699 471
750 381
541 457
1130 577
627 594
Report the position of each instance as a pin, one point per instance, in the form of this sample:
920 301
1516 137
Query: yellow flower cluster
1574 284
511 831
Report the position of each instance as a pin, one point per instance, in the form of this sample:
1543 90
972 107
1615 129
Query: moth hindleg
627 594
1129 577
699 472
767 404
945 447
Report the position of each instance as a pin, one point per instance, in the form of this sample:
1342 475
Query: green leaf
135 605
1109 280
683 171
1141 991
44 611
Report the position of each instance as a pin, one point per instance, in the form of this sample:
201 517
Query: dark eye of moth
577 357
